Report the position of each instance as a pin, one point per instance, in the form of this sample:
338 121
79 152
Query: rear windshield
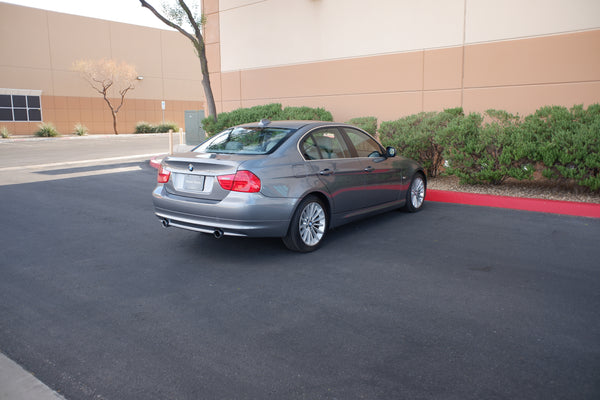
245 141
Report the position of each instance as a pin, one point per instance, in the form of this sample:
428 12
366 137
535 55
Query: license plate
193 183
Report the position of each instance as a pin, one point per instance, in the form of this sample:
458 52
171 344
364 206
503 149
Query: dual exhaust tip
217 233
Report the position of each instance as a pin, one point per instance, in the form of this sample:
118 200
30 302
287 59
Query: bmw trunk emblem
190 167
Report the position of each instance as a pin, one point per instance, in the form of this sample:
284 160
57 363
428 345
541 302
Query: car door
383 179
329 157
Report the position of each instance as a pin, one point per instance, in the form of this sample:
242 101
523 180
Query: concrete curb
18 384
23 138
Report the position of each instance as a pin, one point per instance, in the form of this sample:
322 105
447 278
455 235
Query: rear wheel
308 226
415 196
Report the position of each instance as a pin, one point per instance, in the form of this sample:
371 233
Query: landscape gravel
537 189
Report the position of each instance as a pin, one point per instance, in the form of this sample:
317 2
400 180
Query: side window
309 149
324 143
365 145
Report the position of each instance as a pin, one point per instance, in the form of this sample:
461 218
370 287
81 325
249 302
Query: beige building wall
37 51
386 58
391 58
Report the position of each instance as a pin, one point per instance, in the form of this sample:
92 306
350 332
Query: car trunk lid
195 174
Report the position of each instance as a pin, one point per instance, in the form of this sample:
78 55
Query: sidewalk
33 138
18 384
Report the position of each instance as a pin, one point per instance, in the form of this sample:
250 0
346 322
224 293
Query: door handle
369 169
325 172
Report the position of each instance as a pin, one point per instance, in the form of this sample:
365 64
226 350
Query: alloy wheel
312 224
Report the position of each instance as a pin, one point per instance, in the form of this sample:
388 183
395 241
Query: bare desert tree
177 15
113 80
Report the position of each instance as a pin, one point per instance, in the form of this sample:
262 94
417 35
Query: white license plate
193 183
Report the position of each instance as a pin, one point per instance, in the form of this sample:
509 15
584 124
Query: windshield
245 141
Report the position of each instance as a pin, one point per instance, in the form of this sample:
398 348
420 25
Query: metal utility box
194 134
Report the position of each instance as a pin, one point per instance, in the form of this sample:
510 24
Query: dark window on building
19 101
35 114
5 100
33 101
18 107
6 114
20 114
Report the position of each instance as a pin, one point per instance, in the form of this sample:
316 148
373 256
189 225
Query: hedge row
564 144
273 112
145 127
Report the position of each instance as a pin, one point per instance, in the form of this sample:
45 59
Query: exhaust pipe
165 223
218 233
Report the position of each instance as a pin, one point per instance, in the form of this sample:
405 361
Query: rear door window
324 144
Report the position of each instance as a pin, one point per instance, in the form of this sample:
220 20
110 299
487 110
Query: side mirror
390 151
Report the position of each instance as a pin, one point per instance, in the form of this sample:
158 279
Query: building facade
383 58
37 81
391 58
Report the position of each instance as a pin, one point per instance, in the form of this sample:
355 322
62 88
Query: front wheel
415 196
308 226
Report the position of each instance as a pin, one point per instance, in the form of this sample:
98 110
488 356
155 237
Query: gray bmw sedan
288 179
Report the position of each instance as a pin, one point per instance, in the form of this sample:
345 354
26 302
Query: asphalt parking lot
99 301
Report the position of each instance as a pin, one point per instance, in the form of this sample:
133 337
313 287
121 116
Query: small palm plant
80 130
46 130
4 132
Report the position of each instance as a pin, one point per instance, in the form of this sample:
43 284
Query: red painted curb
155 161
516 203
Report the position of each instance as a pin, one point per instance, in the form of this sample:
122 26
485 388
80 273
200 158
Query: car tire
308 226
415 195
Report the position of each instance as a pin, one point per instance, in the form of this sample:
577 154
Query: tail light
241 181
163 175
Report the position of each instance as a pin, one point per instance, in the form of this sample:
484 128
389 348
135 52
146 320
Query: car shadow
240 248
366 229
256 249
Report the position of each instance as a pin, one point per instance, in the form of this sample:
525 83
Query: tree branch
123 93
193 22
166 21
199 45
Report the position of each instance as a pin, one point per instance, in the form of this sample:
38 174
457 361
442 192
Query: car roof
291 124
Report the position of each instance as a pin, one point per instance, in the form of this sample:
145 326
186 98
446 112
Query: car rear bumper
238 214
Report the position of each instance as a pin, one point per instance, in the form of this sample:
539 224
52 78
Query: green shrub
492 147
4 132
46 130
568 143
80 130
305 114
144 127
166 126
368 124
240 116
273 112
488 152
418 137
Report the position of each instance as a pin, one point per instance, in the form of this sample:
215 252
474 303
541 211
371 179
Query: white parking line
33 176
53 171
70 163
